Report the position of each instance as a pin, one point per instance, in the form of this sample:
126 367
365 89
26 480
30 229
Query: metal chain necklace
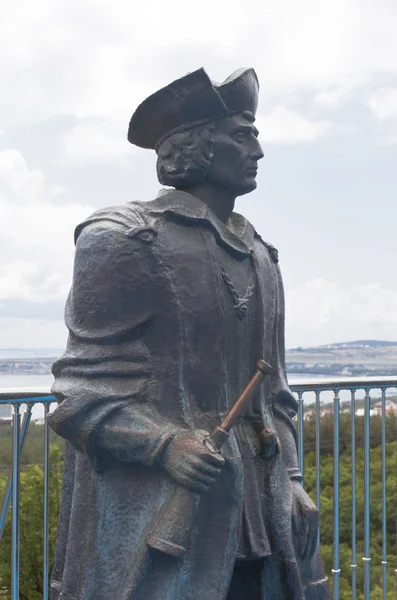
240 302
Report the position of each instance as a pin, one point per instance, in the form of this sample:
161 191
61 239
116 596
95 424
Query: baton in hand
172 531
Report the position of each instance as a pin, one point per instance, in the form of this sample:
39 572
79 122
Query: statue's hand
189 462
305 521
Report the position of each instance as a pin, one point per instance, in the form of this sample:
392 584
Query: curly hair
185 157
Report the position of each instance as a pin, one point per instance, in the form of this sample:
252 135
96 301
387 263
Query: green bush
31 528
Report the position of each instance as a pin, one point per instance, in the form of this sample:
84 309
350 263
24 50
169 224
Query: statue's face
236 154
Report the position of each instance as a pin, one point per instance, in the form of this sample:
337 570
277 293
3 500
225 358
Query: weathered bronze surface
173 303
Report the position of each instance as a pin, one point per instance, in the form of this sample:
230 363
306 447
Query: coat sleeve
285 406
104 382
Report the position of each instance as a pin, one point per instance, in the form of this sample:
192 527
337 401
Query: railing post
318 433
336 568
300 434
8 491
353 474
16 422
384 515
366 558
46 503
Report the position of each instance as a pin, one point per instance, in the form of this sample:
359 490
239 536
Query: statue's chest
210 281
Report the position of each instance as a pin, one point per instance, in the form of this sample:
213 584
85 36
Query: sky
72 73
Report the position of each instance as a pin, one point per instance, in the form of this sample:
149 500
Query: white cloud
383 104
36 236
17 182
331 98
323 310
104 141
14 278
284 126
100 60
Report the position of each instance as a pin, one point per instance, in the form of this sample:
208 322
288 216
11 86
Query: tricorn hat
190 101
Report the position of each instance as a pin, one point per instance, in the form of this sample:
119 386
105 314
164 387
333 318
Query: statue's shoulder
134 219
273 252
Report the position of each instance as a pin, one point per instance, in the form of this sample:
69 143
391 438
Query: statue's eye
239 137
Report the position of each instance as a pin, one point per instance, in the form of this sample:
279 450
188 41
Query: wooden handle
234 414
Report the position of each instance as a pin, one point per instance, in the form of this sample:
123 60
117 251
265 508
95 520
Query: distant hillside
27 361
359 358
347 345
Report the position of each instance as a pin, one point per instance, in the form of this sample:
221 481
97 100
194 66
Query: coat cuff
167 435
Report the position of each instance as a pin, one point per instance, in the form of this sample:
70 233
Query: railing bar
16 422
46 398
350 383
46 503
300 434
384 515
8 491
318 491
336 569
353 475
366 557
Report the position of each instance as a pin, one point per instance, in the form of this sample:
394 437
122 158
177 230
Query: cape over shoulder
273 252
132 218
137 219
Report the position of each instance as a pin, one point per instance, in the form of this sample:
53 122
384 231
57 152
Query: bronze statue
173 303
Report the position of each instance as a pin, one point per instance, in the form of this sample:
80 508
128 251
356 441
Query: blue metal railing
352 385
25 400
18 398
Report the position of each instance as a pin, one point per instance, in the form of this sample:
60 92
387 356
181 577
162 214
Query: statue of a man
173 302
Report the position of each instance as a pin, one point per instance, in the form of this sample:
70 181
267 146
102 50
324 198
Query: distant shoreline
364 358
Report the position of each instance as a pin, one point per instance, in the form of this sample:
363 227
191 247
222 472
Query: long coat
146 357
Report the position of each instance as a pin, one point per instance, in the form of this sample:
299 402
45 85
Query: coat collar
237 235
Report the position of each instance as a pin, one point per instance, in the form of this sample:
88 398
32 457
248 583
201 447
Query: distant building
390 407
360 412
309 415
325 411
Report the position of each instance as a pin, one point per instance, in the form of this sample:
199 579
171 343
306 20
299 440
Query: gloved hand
189 462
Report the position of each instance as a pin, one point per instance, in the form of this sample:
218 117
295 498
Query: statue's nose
258 152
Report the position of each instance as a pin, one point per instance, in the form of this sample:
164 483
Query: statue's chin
247 188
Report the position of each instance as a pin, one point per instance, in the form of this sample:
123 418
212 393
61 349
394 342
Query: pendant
240 303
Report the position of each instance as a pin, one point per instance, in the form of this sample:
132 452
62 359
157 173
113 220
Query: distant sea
28 380
25 381
29 353
32 381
